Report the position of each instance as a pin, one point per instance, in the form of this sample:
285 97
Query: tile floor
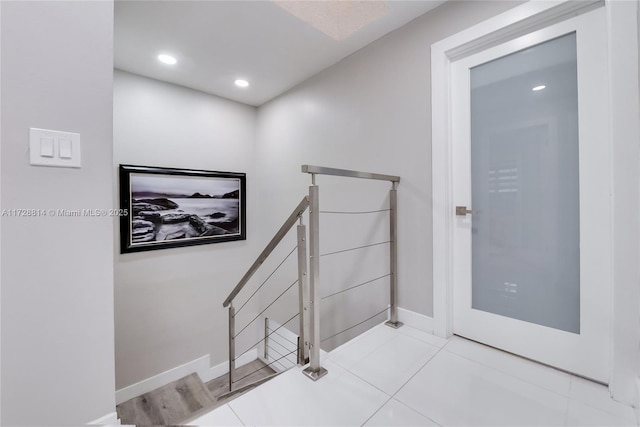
405 377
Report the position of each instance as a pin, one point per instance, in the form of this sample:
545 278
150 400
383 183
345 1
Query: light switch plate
66 148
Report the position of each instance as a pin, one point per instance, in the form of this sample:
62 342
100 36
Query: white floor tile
534 373
423 336
391 365
222 416
597 396
581 414
433 382
452 390
394 413
339 398
350 353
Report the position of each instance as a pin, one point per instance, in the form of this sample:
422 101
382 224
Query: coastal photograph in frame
169 208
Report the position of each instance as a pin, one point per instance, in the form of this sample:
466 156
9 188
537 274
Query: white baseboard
409 318
199 366
416 320
108 420
222 368
207 373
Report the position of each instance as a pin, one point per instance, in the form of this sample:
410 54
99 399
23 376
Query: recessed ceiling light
167 59
537 88
241 83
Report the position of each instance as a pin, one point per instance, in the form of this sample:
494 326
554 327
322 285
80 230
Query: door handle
463 211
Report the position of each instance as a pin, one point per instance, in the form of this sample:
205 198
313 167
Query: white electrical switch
54 148
64 148
46 147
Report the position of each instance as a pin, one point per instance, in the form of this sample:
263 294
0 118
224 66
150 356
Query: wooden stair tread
169 404
188 398
245 374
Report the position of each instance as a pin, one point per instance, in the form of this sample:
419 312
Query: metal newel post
314 371
232 344
393 262
303 296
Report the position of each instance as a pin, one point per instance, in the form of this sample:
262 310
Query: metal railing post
393 261
314 371
232 344
266 339
303 296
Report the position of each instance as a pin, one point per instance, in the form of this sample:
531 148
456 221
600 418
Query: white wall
625 134
0 221
369 112
168 303
57 275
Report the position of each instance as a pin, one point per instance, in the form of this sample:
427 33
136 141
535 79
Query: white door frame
622 28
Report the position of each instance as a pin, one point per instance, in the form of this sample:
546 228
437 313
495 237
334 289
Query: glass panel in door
525 185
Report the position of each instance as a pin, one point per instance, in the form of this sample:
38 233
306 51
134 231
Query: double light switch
54 148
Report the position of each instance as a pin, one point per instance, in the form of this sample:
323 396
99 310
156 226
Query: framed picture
168 208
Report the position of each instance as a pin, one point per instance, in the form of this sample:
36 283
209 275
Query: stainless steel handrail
393 226
282 232
290 222
315 370
321 170
309 298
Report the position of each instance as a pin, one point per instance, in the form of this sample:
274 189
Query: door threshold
534 361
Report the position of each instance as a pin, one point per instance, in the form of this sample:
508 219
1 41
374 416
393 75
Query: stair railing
295 216
315 371
308 284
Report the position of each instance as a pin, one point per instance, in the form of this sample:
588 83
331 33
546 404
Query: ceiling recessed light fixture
241 83
537 88
167 59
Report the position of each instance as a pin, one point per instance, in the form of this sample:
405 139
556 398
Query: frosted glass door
531 167
525 185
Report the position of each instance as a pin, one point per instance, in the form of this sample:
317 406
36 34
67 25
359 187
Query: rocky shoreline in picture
161 217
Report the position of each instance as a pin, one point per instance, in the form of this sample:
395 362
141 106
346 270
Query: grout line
418 370
446 340
595 407
351 342
361 379
439 349
417 412
412 376
566 413
566 396
234 413
527 359
376 411
471 359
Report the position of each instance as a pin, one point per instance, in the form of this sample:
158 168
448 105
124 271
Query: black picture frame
165 208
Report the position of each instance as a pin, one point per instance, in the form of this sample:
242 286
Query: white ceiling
216 42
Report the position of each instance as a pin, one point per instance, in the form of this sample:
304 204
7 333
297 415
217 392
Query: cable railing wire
357 324
267 365
354 212
280 354
356 286
353 249
282 336
268 335
267 279
273 302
